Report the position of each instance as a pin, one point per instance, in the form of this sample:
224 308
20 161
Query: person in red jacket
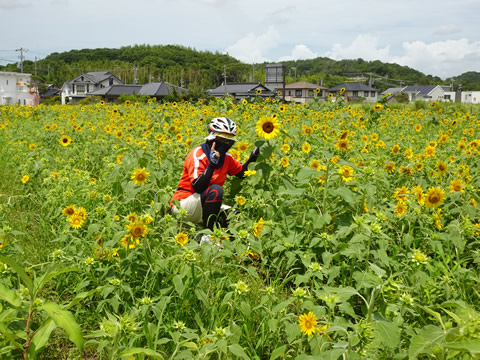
200 189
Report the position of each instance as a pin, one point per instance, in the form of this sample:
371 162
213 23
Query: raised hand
214 155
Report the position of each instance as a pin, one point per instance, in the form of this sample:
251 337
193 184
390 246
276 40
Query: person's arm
253 157
200 184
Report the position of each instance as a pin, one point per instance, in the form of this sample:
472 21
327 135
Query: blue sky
439 37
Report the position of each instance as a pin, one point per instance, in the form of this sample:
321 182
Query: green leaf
305 174
66 321
9 296
346 194
178 283
41 337
40 282
238 351
134 351
278 352
388 333
472 346
21 272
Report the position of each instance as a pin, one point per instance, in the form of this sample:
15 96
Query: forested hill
199 70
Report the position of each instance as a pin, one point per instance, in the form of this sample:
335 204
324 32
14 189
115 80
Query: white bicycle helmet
223 127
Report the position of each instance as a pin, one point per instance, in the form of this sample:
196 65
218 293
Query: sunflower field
357 234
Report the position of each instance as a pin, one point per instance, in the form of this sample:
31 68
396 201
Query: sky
440 38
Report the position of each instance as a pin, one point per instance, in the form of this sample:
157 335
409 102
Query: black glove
254 155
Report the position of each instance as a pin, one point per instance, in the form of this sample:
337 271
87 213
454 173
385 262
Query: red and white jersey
195 164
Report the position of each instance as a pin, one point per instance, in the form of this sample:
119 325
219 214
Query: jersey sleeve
234 165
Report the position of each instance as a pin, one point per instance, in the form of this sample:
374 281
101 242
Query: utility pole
35 66
225 78
21 57
135 74
253 72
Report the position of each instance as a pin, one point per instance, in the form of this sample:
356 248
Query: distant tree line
199 70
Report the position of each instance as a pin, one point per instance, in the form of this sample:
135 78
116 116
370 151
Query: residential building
242 90
78 88
471 97
425 92
153 89
355 91
302 92
17 89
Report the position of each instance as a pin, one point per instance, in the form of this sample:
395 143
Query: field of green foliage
357 236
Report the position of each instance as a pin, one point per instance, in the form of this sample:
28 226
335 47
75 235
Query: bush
90 100
420 104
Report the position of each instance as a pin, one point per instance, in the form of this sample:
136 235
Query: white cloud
447 30
213 2
441 58
364 46
299 52
15 4
252 48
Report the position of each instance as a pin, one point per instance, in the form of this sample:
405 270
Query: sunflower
69 211
258 228
342 144
140 176
316 165
434 197
242 146
306 148
456 186
429 151
137 229
65 140
285 148
285 161
25 179
244 102
400 208
282 108
132 217
401 193
82 212
129 241
389 167
258 92
120 158
378 107
418 128
240 200
438 219
76 221
342 90
419 194
308 323
395 149
347 173
442 168
181 239
268 127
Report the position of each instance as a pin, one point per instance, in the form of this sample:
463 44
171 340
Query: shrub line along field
357 234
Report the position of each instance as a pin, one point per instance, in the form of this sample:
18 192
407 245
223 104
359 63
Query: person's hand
214 155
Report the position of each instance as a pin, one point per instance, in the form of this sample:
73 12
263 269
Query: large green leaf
66 321
472 346
135 351
238 351
21 272
178 283
41 337
9 296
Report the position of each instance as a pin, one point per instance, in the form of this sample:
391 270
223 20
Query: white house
471 97
15 88
425 92
78 88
